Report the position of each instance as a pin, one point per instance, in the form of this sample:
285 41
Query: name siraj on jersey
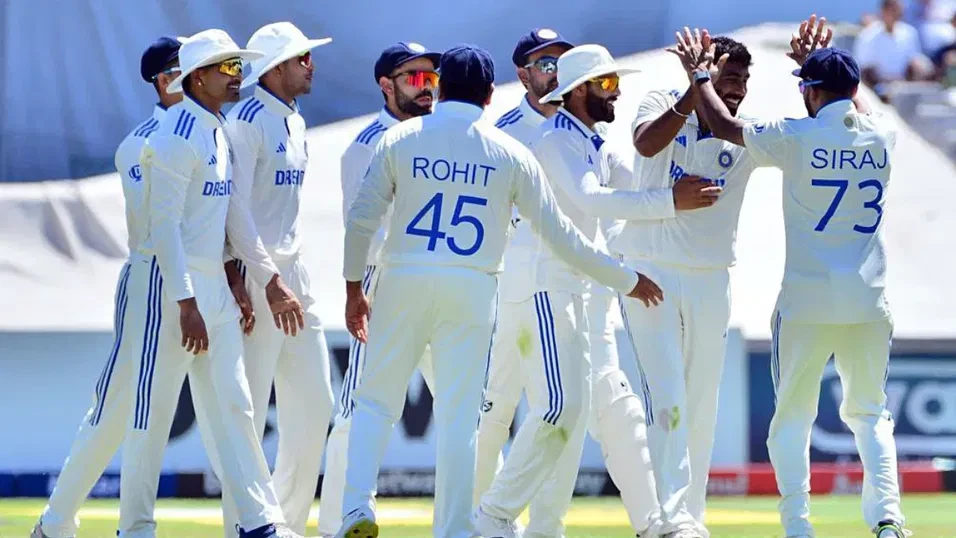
839 159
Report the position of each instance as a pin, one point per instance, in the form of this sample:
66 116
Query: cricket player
550 441
836 167
104 425
406 74
454 180
267 136
188 212
536 62
682 346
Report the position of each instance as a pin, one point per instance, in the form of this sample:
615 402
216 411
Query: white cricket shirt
131 175
699 238
187 193
518 281
268 140
453 180
355 163
836 173
579 171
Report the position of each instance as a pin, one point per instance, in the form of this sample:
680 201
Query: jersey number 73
841 186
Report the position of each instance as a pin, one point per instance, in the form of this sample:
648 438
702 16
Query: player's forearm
715 113
605 203
650 138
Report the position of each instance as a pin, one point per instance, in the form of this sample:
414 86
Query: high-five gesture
696 52
809 38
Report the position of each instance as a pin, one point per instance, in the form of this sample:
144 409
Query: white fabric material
889 53
581 64
277 42
355 162
57 233
836 174
217 381
451 151
861 356
207 48
454 312
131 175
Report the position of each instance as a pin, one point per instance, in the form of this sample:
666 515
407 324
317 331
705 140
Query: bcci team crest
725 159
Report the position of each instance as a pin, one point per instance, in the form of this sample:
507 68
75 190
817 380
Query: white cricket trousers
799 353
558 388
452 309
617 422
337 449
218 383
680 347
299 367
102 429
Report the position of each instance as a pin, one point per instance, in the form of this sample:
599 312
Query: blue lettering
135 174
867 158
488 170
820 154
217 188
455 171
847 156
290 177
886 159
676 172
207 188
435 169
419 163
280 177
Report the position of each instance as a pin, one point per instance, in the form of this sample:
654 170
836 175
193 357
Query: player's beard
806 103
599 109
540 88
408 105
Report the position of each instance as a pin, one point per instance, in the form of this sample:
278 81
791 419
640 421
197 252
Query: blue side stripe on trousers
119 315
491 343
775 354
350 382
549 354
147 362
645 388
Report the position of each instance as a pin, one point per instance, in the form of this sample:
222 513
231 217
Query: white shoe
38 531
358 523
891 529
494 527
285 532
684 533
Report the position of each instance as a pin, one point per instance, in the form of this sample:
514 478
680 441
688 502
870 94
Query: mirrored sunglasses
419 79
608 83
232 67
804 84
545 64
169 71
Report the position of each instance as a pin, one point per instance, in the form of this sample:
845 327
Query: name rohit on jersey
838 159
217 188
443 170
290 177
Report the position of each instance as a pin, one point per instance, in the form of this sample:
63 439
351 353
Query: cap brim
290 52
796 72
559 42
176 85
565 88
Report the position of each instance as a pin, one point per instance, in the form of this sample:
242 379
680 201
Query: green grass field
930 516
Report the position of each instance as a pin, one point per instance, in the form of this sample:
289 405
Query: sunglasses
608 83
232 68
545 64
804 84
305 59
419 79
169 71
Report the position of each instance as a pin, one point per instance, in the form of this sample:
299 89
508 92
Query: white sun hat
279 41
580 64
207 48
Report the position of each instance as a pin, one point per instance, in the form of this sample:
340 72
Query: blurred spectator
889 50
947 66
934 20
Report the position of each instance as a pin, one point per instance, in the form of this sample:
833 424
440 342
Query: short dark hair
468 93
170 64
739 55
886 4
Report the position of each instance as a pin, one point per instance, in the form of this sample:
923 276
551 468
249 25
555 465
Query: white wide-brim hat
580 64
279 42
207 48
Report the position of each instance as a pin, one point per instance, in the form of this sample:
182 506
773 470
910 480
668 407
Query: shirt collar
210 119
386 118
459 109
529 111
836 109
275 105
159 112
584 129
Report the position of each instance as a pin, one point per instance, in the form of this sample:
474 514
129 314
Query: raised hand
696 51
809 37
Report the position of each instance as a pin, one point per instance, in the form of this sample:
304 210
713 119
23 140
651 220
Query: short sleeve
653 105
770 143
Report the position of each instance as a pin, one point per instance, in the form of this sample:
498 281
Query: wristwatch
701 75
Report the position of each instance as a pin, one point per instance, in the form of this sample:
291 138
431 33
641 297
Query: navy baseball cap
155 58
467 65
536 40
833 68
400 53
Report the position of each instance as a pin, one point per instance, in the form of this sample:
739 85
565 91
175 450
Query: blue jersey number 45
433 230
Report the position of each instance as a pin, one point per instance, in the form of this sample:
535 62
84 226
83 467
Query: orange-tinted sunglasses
608 83
419 79
231 67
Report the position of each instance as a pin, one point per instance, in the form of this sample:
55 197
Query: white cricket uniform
549 443
454 179
104 425
188 208
836 172
354 164
271 157
681 343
